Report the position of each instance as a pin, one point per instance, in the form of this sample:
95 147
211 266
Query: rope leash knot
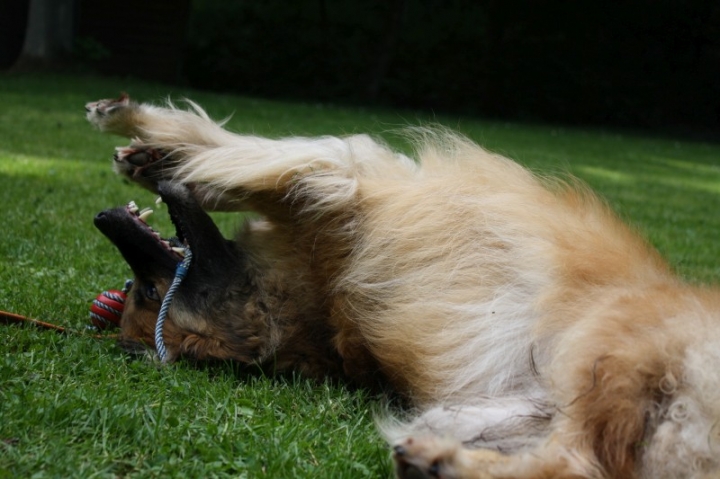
180 273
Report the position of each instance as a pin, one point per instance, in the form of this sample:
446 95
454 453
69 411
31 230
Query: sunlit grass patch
75 406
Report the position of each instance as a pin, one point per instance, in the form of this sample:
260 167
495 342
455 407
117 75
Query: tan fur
468 284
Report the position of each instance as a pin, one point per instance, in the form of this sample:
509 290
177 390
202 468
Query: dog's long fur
534 333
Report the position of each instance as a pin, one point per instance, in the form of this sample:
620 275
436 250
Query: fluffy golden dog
534 334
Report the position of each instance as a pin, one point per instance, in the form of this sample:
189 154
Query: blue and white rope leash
180 273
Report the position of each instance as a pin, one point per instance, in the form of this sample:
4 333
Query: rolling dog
534 334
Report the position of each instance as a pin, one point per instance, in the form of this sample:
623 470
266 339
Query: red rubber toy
106 310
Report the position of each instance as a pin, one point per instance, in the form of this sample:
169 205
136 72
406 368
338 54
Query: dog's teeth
145 214
158 201
180 251
132 207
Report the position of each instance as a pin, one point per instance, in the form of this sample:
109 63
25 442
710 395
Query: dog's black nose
102 218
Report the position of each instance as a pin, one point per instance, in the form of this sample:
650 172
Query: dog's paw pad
142 164
425 458
432 457
137 157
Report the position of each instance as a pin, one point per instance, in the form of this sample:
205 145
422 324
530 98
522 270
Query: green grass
74 406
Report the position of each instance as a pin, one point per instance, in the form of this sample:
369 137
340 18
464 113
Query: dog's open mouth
152 256
176 245
144 249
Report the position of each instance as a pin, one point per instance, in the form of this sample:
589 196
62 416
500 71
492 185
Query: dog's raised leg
322 173
306 186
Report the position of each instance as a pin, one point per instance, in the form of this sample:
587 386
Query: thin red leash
12 318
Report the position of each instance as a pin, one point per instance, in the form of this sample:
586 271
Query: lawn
76 406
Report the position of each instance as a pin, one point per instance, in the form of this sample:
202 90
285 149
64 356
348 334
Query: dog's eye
151 293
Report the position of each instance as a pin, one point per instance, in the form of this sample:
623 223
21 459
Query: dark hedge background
652 64
647 63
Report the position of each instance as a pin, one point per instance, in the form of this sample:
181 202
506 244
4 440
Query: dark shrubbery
642 63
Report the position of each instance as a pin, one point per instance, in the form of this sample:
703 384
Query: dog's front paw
98 112
432 457
136 156
142 164
119 116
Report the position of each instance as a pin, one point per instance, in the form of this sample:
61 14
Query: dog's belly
450 312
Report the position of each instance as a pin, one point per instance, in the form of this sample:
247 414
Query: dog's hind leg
227 169
430 457
504 437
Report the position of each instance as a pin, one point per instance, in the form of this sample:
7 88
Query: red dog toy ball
107 309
